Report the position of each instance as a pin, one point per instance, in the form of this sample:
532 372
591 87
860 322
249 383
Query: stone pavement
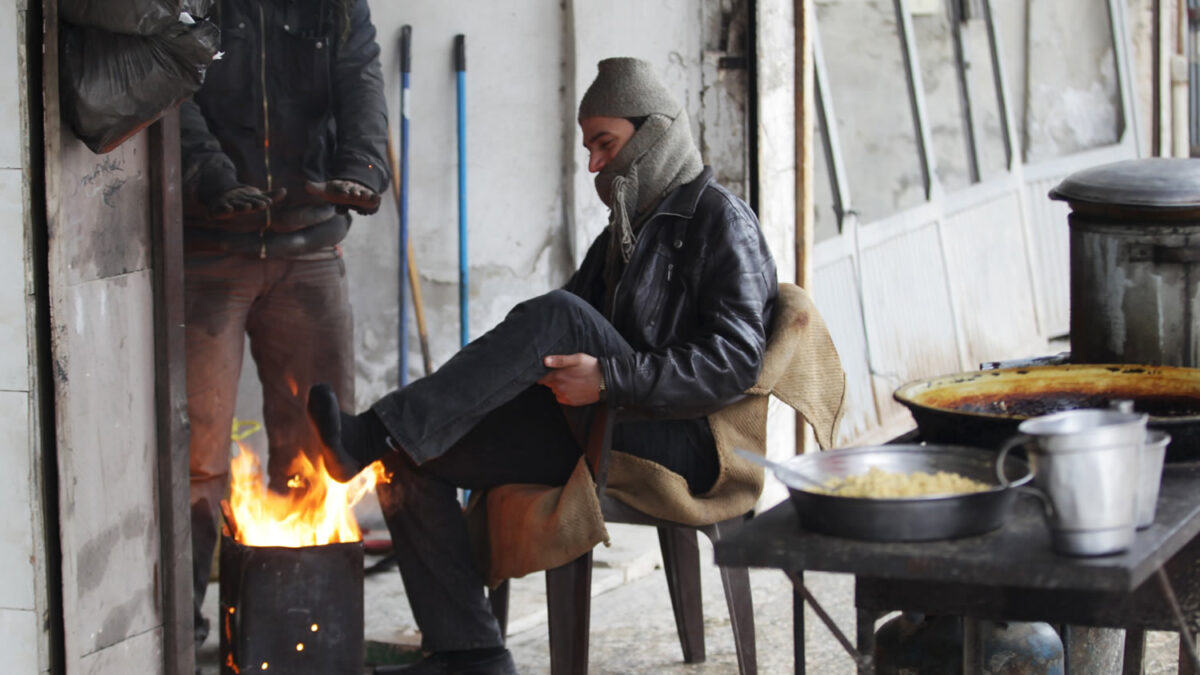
632 625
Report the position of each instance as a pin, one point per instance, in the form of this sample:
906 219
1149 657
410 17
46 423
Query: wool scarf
658 158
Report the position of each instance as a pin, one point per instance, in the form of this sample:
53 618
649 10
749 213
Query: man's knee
556 301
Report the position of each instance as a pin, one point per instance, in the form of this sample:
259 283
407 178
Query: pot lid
1154 183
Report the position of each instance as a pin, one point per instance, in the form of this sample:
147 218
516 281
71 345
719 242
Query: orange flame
322 514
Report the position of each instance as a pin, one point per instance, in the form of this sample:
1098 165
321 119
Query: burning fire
323 514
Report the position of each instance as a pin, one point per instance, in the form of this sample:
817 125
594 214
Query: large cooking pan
984 407
910 518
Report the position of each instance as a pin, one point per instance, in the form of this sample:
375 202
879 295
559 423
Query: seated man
666 321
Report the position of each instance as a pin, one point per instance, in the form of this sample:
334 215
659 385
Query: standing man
287 135
666 321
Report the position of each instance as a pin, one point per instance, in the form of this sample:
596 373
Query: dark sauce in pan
1033 405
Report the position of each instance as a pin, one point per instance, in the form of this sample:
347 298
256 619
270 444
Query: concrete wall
532 208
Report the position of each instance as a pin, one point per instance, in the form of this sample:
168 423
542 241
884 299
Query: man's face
603 138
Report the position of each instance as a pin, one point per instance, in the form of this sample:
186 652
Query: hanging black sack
130 17
114 85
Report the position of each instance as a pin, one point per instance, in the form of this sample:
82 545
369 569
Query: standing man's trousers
297 315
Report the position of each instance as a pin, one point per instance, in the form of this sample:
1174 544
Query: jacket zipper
638 246
262 80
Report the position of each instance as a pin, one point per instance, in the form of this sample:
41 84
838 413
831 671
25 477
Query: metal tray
906 519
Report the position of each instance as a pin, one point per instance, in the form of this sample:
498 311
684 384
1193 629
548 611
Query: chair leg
738 597
498 597
741 615
569 607
681 562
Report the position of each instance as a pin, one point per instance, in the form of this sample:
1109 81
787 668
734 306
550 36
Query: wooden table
991 576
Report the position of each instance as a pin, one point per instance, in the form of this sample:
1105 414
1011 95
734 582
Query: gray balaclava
659 157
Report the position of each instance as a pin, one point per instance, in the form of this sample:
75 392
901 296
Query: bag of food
130 17
113 85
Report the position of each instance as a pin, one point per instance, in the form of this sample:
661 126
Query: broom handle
464 286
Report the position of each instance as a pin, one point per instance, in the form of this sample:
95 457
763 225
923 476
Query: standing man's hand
243 199
575 379
346 193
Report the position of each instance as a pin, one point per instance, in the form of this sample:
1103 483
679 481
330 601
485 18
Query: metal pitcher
1086 465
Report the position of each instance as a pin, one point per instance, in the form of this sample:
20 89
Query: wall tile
16 527
19 640
14 358
10 103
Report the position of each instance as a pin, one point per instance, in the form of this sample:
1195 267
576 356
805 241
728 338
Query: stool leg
568 608
681 562
798 643
1185 663
865 639
1135 652
498 597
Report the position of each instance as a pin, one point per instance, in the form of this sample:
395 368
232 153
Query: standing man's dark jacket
695 302
251 124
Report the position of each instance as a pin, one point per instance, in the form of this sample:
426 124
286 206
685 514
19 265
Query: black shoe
325 415
348 442
199 630
454 663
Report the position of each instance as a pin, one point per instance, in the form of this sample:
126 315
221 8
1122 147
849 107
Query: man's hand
574 378
346 193
243 199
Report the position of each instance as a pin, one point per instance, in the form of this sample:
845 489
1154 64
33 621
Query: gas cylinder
918 644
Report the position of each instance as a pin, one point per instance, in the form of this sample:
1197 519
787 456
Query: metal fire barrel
1135 261
297 611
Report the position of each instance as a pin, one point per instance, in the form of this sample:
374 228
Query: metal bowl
906 519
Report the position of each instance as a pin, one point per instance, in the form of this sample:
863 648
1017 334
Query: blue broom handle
460 67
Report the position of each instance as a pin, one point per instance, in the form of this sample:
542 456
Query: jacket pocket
658 284
301 62
230 94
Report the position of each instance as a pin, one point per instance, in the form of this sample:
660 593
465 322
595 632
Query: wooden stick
230 523
413 278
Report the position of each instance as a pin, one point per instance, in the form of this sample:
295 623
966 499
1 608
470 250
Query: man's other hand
243 199
574 378
345 193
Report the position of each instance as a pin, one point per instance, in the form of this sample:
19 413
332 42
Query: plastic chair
568 588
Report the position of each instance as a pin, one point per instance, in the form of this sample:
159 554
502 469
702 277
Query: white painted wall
532 208
22 565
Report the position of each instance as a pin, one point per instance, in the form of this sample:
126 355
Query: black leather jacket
297 95
695 302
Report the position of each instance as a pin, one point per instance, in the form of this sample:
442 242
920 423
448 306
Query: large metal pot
984 407
907 519
1135 261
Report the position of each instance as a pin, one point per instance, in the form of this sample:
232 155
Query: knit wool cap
627 87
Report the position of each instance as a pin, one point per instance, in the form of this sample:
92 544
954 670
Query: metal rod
405 96
972 652
964 87
1185 635
865 662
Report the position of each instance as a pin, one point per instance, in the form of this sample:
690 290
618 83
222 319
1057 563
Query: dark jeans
296 313
481 420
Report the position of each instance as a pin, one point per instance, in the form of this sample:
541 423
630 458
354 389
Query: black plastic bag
113 85
130 17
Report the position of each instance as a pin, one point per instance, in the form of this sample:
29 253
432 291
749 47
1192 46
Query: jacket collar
683 200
